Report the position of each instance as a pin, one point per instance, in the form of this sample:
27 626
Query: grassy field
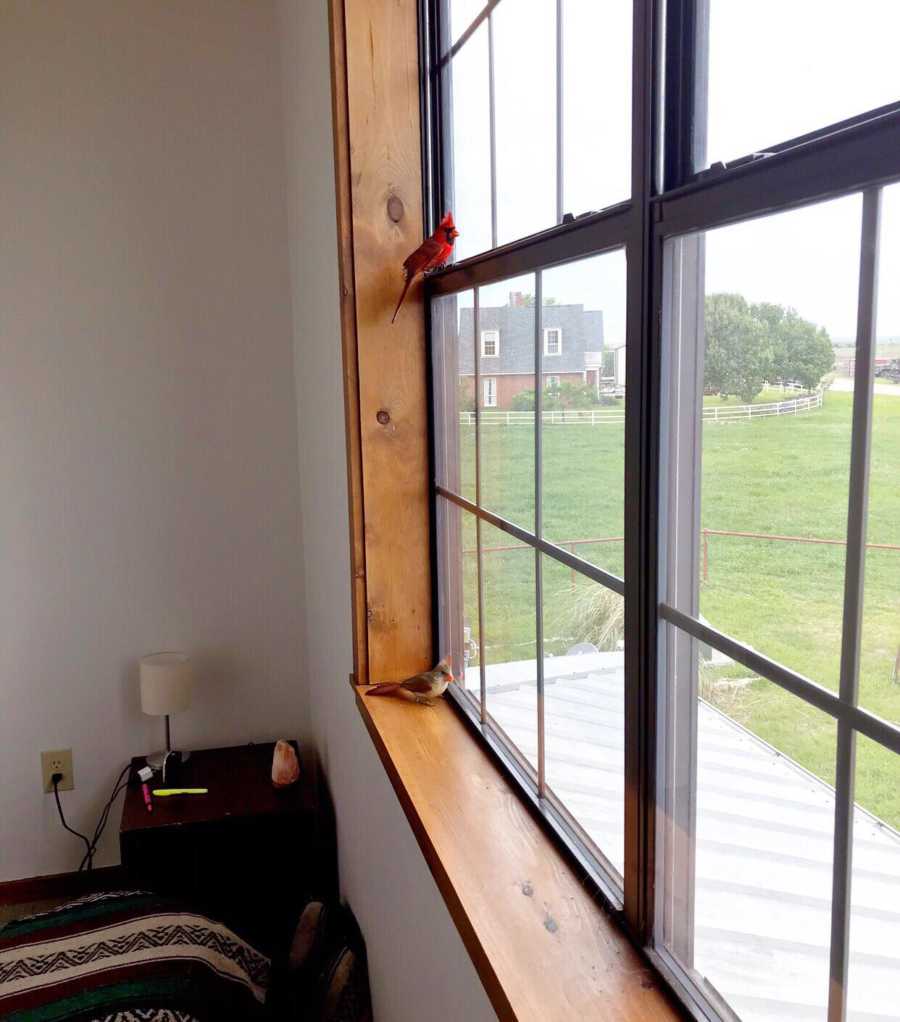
775 476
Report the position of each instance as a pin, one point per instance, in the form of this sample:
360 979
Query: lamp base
166 763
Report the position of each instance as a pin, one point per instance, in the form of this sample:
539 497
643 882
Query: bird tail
409 280
384 689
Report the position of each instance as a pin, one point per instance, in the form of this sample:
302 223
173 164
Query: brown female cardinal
430 255
421 688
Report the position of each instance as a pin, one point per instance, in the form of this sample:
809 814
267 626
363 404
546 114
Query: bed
132 956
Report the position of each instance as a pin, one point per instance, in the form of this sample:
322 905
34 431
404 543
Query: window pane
458 593
778 70
470 149
583 442
462 14
584 684
510 651
525 90
879 679
745 844
596 104
874 975
507 424
770 446
453 355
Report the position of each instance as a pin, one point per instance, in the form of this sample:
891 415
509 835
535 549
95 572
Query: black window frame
669 199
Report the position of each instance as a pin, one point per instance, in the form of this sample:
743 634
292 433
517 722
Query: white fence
604 416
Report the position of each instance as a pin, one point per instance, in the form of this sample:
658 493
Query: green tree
738 349
801 352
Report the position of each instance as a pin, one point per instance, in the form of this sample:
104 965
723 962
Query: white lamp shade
165 683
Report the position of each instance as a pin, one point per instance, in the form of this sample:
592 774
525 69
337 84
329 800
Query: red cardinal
431 254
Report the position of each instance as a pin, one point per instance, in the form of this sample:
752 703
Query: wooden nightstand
245 853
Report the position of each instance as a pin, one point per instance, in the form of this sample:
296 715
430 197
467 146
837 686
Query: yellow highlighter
163 792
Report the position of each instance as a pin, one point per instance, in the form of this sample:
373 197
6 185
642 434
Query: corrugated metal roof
763 844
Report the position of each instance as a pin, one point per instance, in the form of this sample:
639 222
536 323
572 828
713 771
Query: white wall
420 968
148 447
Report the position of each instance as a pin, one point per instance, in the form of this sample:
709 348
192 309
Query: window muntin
583 449
538 101
596 106
507 427
822 66
490 343
551 382
509 649
584 705
879 681
453 345
524 37
874 902
470 187
489 391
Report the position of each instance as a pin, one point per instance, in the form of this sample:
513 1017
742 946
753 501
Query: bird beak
454 233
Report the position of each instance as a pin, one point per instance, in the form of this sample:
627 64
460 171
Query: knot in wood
395 209
383 416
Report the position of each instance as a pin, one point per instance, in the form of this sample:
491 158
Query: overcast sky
778 68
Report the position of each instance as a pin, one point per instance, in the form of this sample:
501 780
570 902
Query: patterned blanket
128 957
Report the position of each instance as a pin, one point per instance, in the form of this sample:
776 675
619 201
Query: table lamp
165 689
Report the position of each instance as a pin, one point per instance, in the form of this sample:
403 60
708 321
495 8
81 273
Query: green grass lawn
771 475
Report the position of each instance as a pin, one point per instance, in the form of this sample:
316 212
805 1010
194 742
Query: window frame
551 381
495 336
488 384
550 330
669 200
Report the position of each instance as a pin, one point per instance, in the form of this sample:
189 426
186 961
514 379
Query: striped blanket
128 957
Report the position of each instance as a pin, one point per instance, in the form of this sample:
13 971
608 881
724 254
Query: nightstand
245 853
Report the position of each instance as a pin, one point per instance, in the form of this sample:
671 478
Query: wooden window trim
572 950
378 178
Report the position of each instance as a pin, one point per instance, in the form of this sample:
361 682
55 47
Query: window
535 84
490 392
802 43
490 343
702 695
552 341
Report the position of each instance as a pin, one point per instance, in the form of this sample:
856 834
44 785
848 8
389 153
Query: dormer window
490 343
552 340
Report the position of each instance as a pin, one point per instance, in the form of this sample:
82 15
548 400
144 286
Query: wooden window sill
544 949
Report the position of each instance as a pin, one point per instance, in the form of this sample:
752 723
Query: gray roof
764 844
582 330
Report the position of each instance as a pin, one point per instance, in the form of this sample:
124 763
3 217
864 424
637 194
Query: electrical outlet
58 761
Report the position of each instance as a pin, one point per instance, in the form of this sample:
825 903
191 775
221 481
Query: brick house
572 347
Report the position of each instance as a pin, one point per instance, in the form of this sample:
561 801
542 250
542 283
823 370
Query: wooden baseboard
60 885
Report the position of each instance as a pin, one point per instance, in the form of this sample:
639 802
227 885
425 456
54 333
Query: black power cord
87 862
56 778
